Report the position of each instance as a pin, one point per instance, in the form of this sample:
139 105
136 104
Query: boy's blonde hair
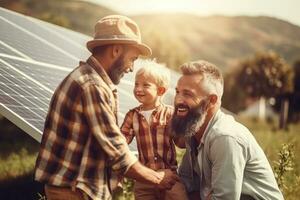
159 72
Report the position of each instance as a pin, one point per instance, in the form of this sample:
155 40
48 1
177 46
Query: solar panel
35 56
5 49
38 43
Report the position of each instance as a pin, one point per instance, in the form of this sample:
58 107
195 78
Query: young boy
148 123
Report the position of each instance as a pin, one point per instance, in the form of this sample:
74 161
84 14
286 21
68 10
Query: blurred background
255 43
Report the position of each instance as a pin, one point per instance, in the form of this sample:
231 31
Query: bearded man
222 159
82 148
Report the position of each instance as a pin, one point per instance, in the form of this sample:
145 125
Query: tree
266 75
295 101
234 97
294 98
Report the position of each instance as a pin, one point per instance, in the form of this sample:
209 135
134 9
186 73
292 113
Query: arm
228 157
127 127
103 126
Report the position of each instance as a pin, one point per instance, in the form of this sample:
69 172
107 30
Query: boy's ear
161 91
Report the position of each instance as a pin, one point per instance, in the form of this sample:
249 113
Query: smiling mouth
140 95
182 111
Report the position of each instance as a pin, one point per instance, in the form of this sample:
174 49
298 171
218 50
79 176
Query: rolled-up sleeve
102 123
228 157
127 127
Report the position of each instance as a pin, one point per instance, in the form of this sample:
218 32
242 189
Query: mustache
189 124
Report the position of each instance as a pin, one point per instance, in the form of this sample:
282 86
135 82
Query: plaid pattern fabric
82 144
155 146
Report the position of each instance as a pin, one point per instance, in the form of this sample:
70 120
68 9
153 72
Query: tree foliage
234 97
265 75
294 98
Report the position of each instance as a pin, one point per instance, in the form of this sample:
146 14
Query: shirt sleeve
228 157
103 125
127 127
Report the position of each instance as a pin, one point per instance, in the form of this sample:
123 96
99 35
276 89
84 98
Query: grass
18 152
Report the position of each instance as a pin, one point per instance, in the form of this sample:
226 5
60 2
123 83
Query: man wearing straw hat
82 146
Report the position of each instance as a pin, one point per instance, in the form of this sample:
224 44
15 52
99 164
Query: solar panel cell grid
47 76
5 50
70 41
33 45
19 90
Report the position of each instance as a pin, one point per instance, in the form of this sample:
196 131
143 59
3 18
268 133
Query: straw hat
117 29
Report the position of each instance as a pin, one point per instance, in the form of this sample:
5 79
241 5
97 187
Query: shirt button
155 158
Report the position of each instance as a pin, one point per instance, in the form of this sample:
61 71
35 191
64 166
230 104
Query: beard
116 71
189 124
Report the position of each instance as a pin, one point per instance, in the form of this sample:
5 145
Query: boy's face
146 91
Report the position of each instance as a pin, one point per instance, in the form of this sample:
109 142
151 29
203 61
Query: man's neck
104 62
199 134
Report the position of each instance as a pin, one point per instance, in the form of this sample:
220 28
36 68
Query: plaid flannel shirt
82 144
154 143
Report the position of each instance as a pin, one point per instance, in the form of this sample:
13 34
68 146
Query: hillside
78 15
225 40
176 38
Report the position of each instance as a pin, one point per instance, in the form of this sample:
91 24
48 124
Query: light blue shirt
230 164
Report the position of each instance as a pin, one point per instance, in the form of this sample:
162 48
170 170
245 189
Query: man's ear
117 50
212 100
161 91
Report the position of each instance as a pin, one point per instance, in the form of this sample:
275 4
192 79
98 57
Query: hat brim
144 49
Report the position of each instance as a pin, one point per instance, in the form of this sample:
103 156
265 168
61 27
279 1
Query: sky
288 10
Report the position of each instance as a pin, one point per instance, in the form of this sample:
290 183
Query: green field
18 152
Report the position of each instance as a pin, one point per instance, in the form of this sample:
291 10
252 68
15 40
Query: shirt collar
210 124
156 109
95 64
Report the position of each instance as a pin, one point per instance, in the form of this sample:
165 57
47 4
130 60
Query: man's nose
178 99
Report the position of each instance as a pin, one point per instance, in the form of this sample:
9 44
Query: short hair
213 81
100 49
158 71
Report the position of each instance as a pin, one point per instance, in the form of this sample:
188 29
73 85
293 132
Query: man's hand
168 179
163 179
